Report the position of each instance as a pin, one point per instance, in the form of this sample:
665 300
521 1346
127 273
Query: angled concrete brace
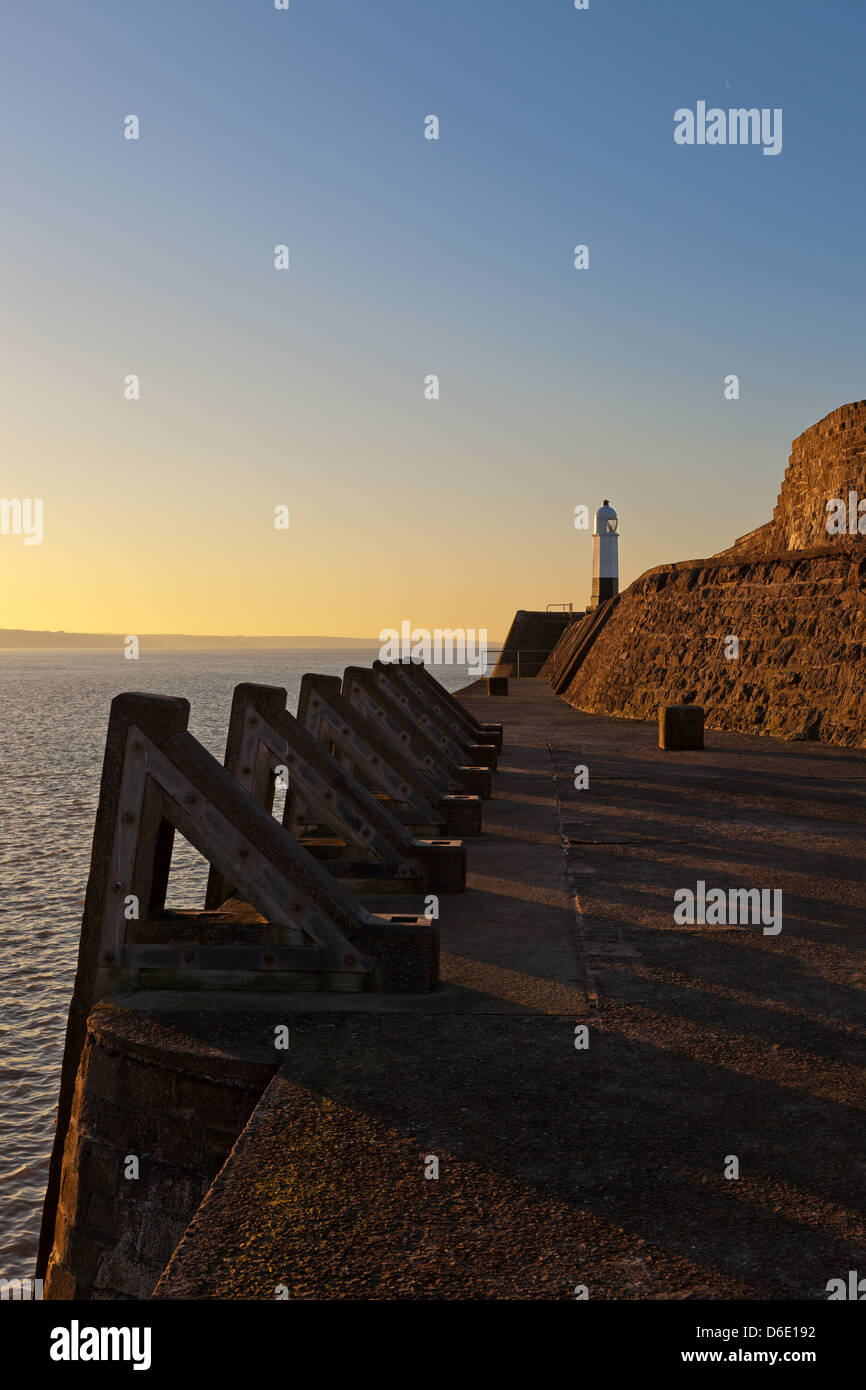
363 846
161 719
445 701
157 778
409 677
379 766
378 705
455 743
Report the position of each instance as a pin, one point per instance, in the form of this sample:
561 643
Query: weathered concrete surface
560 1167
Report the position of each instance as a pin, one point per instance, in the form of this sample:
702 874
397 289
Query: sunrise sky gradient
409 257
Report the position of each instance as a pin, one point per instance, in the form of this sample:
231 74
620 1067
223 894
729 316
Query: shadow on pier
558 1165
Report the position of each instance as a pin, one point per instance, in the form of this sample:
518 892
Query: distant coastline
21 639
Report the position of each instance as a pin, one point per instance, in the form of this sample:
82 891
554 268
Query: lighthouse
605 555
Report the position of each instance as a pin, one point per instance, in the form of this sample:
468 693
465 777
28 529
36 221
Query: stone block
77 1253
145 1087
480 755
212 1102
462 814
92 1166
444 863
403 951
681 726
492 733
477 781
178 1192
60 1284
103 1073
103 1216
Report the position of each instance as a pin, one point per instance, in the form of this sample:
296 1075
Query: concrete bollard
497 685
681 726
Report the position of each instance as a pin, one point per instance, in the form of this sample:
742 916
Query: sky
408 257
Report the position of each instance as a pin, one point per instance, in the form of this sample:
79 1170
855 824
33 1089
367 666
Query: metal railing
515 654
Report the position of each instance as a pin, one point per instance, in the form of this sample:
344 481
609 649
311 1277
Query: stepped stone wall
793 596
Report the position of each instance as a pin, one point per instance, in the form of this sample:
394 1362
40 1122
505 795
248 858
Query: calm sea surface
52 731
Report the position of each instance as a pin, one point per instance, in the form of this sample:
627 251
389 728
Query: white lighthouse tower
605 555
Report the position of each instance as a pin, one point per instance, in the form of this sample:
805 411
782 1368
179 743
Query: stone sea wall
175 1110
792 595
799 616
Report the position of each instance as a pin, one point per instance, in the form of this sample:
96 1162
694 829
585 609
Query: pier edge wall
179 1114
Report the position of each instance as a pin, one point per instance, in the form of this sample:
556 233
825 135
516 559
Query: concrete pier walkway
558 1166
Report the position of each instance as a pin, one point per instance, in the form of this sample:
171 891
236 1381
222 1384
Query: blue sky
411 257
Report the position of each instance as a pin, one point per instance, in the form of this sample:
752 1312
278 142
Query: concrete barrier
296 928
